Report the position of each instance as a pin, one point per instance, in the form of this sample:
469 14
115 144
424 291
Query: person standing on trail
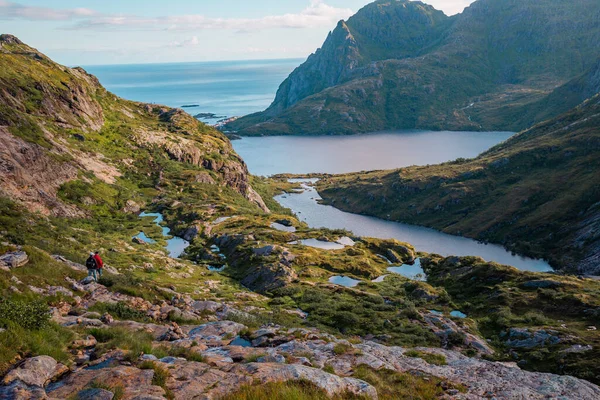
91 266
99 264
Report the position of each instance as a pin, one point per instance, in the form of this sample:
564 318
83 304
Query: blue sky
88 32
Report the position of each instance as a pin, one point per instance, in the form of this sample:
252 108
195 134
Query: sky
94 32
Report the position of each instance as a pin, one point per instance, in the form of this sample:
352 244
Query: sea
221 88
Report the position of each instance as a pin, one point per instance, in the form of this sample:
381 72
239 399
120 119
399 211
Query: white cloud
10 10
316 14
193 41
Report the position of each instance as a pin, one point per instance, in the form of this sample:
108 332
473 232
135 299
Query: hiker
91 266
99 264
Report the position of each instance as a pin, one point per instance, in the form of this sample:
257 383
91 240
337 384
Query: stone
138 240
285 222
524 338
218 329
88 342
131 207
264 251
14 259
95 394
107 319
276 358
36 371
206 306
267 277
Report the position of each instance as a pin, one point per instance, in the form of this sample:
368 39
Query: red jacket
99 262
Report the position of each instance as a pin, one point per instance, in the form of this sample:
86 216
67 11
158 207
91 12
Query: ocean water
223 88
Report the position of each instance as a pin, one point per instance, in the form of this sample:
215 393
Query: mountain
247 311
59 126
402 65
537 193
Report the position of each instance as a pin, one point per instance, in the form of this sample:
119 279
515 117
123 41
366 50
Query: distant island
190 105
209 116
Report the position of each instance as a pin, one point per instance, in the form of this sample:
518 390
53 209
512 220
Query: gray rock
524 338
14 259
264 251
267 277
206 306
95 394
36 371
218 329
276 358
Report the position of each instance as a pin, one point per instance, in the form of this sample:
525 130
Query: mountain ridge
505 51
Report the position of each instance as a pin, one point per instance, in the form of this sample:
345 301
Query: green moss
435 359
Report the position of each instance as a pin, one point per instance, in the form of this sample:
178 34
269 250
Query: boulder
218 329
267 277
524 338
285 222
13 259
36 371
132 207
137 240
264 251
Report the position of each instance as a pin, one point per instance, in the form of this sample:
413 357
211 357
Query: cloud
316 14
10 10
450 7
193 41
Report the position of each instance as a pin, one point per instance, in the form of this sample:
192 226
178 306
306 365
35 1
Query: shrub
32 314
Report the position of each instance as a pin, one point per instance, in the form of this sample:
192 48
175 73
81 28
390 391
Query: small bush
32 314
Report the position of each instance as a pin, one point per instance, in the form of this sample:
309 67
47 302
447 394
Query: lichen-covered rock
14 259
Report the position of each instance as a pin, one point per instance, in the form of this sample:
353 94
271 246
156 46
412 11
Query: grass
160 377
134 342
435 359
291 390
392 385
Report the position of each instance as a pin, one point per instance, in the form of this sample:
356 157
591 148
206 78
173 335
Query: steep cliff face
413 67
538 193
59 125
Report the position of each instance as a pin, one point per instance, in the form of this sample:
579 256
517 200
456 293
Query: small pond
344 281
414 271
175 245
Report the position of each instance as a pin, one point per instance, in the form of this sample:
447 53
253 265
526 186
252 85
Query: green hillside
537 193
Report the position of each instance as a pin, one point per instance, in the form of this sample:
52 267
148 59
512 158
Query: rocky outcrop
268 277
14 259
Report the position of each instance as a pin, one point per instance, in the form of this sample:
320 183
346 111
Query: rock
136 383
522 337
14 259
264 251
95 394
264 278
285 222
36 371
138 240
87 280
107 319
268 332
173 333
218 329
577 348
132 207
276 358
332 384
206 306
191 232
89 341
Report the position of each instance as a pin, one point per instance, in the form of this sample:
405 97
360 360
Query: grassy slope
492 55
536 193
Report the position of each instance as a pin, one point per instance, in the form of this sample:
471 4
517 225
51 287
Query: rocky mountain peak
10 39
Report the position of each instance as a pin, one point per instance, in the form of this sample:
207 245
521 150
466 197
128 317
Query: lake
341 154
316 215
223 88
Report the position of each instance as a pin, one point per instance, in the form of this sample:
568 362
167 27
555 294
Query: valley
409 262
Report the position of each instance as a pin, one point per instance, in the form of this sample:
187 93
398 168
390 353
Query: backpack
90 263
